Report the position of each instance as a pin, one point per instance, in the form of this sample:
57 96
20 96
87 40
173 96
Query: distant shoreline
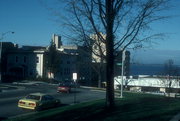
147 69
150 64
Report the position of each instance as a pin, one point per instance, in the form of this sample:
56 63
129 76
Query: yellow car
38 101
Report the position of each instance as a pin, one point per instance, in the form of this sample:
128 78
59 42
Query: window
68 70
16 59
65 71
68 62
61 62
31 73
47 98
25 59
37 59
61 72
34 97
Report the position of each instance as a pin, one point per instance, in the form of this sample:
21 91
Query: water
147 69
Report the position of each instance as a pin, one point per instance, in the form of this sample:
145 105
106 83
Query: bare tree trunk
109 55
99 79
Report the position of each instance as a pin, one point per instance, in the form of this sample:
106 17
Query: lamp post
1 38
122 72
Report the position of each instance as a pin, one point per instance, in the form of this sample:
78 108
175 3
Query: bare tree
124 22
170 74
99 68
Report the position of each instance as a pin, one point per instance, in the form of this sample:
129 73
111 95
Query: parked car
64 87
74 84
71 83
38 101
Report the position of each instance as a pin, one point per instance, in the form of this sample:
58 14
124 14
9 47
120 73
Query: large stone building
26 62
5 47
81 58
98 48
30 62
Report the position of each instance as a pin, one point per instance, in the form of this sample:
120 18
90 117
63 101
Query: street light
122 71
1 38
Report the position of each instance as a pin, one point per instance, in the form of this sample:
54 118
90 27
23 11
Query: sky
34 24
152 56
29 19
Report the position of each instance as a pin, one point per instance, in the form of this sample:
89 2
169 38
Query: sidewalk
29 83
176 117
8 87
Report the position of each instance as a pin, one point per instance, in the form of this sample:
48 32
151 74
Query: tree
99 68
98 58
124 22
96 63
52 61
171 74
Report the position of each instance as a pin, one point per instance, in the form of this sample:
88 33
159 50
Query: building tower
57 41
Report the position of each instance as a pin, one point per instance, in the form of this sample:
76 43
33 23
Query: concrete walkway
176 117
9 87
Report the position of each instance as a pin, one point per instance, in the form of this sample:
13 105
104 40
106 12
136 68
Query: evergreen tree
52 59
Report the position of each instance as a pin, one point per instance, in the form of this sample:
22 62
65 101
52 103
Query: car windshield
34 97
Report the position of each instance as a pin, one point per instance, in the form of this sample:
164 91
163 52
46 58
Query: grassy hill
133 107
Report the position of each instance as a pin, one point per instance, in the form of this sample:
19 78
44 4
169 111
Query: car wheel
57 104
69 91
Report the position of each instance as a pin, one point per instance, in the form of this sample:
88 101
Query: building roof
33 48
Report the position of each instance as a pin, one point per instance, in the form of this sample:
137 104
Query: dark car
64 87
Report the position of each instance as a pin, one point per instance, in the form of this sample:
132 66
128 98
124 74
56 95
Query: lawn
133 107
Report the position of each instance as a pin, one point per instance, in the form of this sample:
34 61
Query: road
9 99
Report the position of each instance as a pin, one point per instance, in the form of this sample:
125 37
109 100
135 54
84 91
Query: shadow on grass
58 106
3 118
